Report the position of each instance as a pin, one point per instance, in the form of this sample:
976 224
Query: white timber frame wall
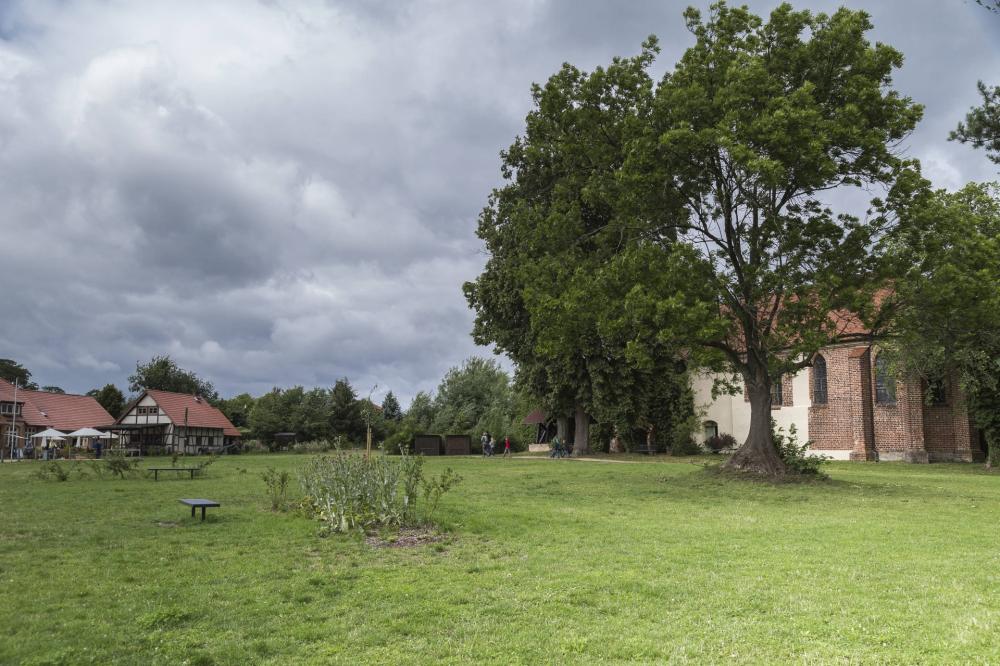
147 412
134 417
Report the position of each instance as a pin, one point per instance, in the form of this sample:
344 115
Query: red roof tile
537 416
200 414
62 411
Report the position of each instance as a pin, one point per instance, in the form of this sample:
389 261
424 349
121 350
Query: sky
279 193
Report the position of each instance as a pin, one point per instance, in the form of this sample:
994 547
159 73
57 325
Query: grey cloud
279 193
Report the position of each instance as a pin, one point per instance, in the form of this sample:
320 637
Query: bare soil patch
407 538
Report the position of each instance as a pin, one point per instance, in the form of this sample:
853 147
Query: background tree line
473 397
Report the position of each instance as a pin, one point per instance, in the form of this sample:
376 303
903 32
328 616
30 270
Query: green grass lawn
544 561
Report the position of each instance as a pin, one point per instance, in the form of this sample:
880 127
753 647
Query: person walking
484 443
506 447
555 448
492 446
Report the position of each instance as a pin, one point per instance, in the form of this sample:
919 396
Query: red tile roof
200 414
535 417
62 411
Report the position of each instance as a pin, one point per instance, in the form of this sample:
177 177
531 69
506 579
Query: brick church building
850 407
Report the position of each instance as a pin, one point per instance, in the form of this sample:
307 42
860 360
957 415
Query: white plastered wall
732 412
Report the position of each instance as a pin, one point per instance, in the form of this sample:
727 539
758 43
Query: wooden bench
203 503
156 470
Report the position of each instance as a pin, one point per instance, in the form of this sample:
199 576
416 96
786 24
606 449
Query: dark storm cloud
280 193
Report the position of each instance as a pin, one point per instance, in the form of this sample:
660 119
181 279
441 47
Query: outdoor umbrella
84 432
49 435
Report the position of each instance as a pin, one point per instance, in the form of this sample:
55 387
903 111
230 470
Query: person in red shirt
506 446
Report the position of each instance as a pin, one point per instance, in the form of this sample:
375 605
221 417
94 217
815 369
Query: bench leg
202 514
192 512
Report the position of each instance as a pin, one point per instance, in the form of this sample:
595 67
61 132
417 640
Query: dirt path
597 460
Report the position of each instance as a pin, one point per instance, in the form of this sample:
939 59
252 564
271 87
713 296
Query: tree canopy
162 373
346 417
110 398
754 124
391 410
237 409
949 319
14 372
695 213
544 297
981 127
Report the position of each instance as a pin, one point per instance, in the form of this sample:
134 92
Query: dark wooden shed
457 445
429 445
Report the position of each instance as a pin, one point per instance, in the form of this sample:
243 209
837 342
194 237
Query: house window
885 383
819 380
776 391
936 392
711 429
10 408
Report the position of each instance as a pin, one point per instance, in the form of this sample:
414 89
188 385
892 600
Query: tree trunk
649 439
581 437
562 428
758 455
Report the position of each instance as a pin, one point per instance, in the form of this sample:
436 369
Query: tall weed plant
349 492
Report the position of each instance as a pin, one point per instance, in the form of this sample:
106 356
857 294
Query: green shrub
118 465
256 446
319 445
434 488
277 487
684 446
721 442
206 462
401 441
98 468
53 471
796 456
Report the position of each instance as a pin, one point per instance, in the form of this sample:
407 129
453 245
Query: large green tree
312 414
755 124
472 398
561 217
346 418
110 398
421 412
949 320
981 127
391 410
162 373
12 371
275 412
237 409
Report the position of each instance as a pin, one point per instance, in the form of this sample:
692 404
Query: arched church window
885 383
819 380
